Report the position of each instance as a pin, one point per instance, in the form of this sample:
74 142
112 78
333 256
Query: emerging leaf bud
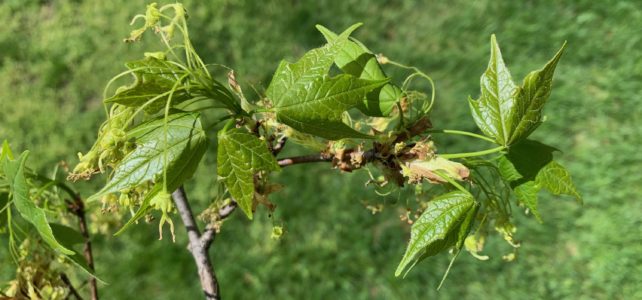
416 170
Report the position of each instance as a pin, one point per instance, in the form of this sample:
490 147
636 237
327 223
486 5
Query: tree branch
210 232
77 207
351 159
284 162
280 143
67 282
206 274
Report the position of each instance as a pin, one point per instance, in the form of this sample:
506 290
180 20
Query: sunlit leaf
530 99
443 215
307 99
318 110
356 60
492 111
181 143
504 111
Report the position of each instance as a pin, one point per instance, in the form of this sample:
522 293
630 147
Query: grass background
56 56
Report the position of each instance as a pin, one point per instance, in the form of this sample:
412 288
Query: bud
382 59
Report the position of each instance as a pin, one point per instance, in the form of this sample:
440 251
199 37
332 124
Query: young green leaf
529 167
455 237
240 155
356 60
492 111
182 143
530 99
504 111
318 109
14 170
153 77
430 233
306 99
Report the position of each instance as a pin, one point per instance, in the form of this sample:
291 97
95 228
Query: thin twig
67 282
413 130
206 274
280 143
284 162
77 207
210 232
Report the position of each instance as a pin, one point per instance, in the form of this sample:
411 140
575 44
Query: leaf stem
471 154
451 181
284 162
460 132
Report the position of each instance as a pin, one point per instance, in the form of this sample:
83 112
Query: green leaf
529 167
153 77
240 155
183 145
532 96
492 111
455 237
504 111
318 110
526 193
306 99
6 151
356 60
557 180
430 233
14 170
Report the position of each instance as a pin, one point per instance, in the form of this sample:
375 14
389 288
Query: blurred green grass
55 57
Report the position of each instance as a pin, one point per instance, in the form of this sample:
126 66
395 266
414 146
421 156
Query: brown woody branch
199 244
71 288
351 159
206 273
321 157
77 207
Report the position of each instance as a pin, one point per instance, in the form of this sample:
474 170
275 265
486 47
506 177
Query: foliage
558 106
